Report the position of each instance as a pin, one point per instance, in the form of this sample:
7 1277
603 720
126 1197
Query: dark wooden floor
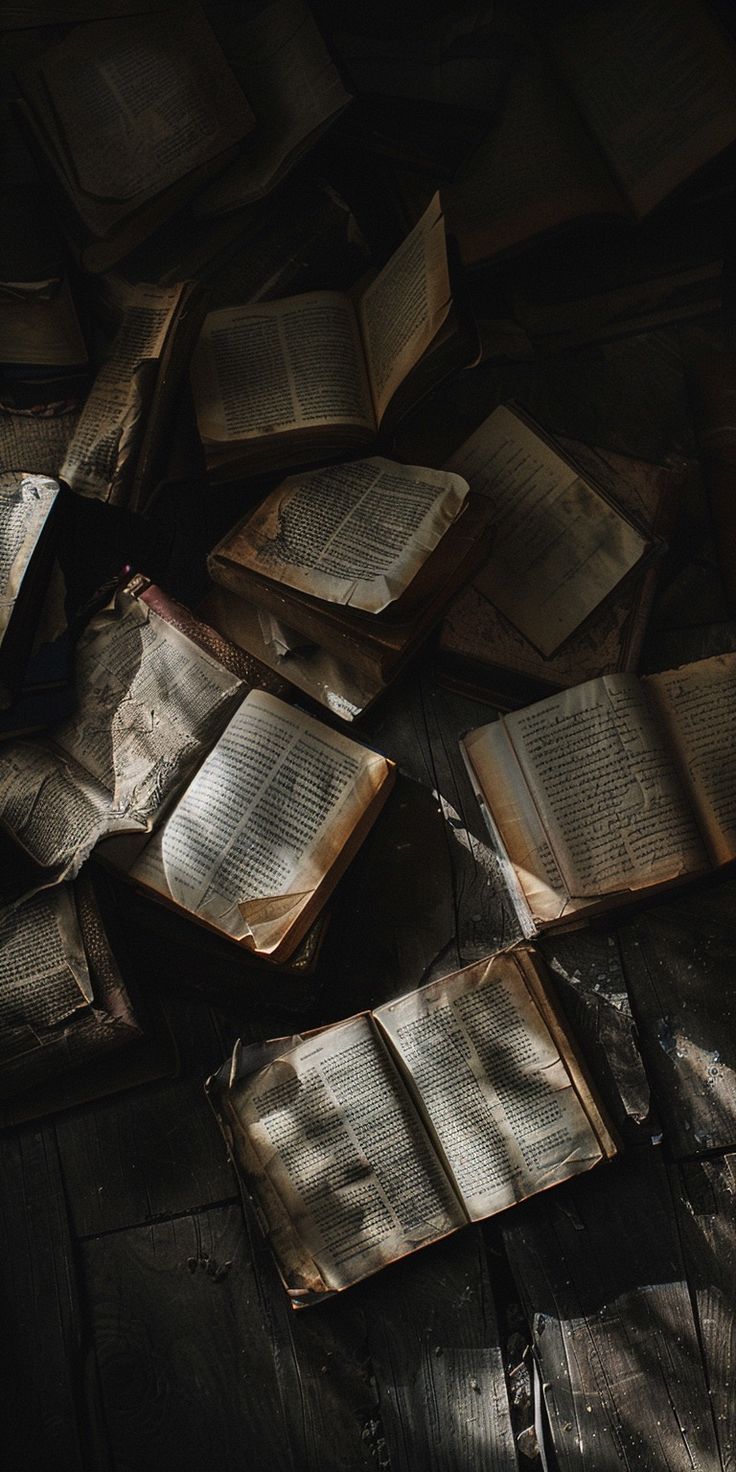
143 1325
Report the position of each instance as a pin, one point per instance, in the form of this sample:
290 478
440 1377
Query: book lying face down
365 1140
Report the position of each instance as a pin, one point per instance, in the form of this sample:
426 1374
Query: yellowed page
498 1095
698 704
40 440
26 503
40 329
262 822
329 1130
353 534
44 977
560 548
294 89
290 364
655 81
110 427
403 309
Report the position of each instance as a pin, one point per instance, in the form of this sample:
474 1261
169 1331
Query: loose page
26 502
599 771
340 1163
101 455
698 704
147 698
560 547
353 534
294 89
498 1095
138 105
262 822
403 309
44 977
41 440
290 364
656 82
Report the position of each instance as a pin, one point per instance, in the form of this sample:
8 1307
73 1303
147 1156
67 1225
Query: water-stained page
262 822
403 309
499 1096
354 534
26 502
698 704
290 364
560 547
338 1159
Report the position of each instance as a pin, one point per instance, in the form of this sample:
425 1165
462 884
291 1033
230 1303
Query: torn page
25 505
497 1093
353 534
262 822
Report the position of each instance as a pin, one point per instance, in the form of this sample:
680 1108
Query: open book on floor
355 561
281 383
367 1139
638 97
565 592
69 1030
611 791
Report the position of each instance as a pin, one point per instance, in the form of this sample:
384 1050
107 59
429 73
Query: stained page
338 1159
560 547
698 704
101 454
25 505
656 83
147 698
290 364
41 440
262 822
354 534
140 103
403 309
599 772
498 1095
294 89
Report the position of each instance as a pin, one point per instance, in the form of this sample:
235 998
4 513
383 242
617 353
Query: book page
294 89
44 977
560 548
25 504
353 534
102 452
139 103
599 771
291 364
655 81
496 1091
262 822
698 704
146 699
41 440
403 309
350 1178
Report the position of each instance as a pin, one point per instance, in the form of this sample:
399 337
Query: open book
29 523
68 1028
130 116
285 382
612 790
357 560
370 1138
642 96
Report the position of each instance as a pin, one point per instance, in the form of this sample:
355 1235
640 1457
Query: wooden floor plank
40 1330
600 1271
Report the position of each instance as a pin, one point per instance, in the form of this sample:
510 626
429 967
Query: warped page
656 84
26 503
697 702
352 534
600 778
284 365
294 89
41 440
500 1099
405 307
147 698
341 1163
101 455
265 824
560 546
